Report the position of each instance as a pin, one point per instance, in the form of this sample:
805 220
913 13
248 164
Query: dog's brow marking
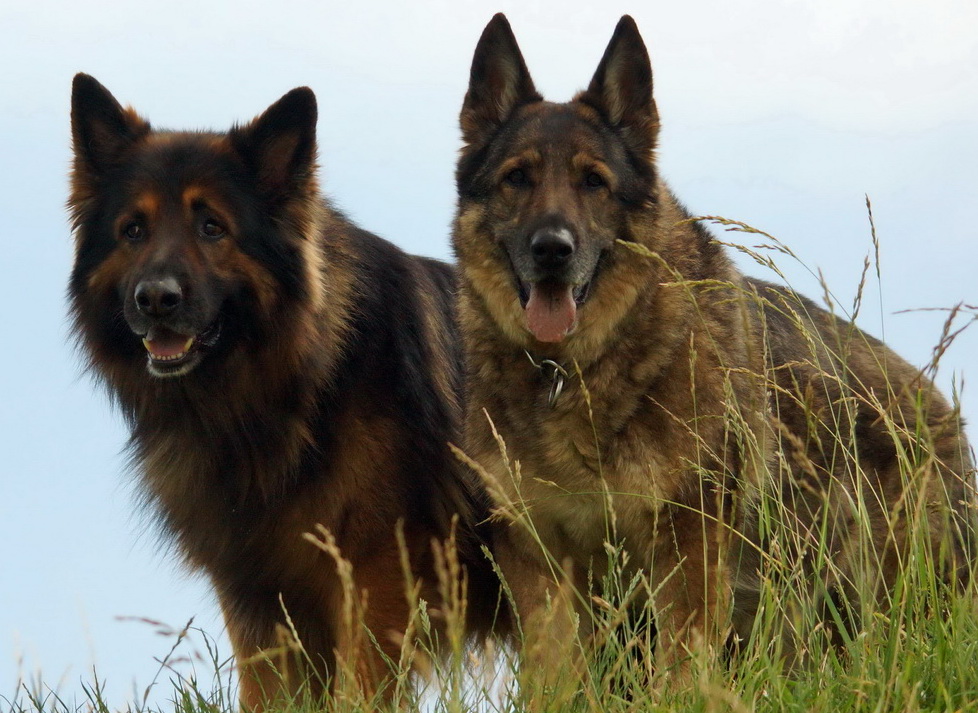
193 194
148 203
583 159
527 157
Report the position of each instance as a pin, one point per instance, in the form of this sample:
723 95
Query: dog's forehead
557 130
173 164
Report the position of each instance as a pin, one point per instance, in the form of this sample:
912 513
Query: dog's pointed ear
279 146
621 89
499 82
101 129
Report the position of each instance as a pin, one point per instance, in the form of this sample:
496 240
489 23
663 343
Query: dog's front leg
548 618
271 670
692 596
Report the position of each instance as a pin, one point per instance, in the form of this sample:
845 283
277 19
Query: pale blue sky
780 114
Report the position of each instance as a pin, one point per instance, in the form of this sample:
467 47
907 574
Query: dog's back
862 426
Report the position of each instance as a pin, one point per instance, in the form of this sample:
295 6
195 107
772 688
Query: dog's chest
582 484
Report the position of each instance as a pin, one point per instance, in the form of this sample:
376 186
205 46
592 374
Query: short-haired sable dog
650 394
280 369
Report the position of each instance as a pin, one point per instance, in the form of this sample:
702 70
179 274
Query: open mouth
173 354
551 307
578 292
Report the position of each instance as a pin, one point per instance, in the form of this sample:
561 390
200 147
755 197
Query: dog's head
546 189
187 243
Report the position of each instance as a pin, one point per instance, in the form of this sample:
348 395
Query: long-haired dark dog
280 369
650 393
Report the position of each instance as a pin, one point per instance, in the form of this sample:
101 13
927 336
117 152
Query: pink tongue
164 343
551 311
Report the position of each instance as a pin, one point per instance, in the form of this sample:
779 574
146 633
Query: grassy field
919 656
915 651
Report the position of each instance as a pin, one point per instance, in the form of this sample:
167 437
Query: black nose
551 247
158 298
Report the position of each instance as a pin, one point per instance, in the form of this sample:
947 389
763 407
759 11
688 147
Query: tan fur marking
530 157
584 161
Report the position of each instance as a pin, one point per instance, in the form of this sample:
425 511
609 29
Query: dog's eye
211 229
594 180
517 178
133 231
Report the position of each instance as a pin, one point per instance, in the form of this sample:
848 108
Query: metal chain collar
557 376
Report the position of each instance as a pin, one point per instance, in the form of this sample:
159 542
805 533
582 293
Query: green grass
921 656
916 651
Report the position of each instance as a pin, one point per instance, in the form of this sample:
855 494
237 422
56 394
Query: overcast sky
781 114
